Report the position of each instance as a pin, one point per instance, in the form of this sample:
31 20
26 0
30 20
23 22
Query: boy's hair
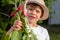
34 5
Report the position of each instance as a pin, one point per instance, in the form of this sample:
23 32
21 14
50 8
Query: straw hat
42 4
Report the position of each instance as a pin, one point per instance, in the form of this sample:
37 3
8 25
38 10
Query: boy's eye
31 9
37 11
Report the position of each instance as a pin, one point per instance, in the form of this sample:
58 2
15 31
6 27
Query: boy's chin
32 20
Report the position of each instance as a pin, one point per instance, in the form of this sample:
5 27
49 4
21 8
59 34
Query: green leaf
16 35
24 37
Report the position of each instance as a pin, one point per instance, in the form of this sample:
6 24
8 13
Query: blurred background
52 23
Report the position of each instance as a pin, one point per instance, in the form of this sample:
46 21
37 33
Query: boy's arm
47 35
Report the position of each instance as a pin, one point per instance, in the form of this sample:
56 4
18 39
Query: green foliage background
6 7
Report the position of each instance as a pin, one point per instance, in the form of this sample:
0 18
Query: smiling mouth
32 17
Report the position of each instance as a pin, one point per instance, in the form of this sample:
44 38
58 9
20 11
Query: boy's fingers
17 27
18 24
18 21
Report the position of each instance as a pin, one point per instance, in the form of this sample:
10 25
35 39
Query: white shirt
40 32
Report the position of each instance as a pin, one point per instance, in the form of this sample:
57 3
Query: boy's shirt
40 32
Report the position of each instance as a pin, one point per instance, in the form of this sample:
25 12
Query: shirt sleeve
47 35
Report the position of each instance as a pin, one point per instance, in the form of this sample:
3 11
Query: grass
54 36
54 31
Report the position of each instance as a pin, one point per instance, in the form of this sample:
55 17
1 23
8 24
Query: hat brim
45 9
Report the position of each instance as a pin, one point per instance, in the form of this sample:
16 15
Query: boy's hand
16 26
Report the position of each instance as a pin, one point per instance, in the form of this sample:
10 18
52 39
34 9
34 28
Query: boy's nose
34 12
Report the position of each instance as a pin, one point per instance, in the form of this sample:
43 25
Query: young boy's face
33 14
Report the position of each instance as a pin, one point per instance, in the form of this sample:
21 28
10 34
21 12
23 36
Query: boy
35 10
